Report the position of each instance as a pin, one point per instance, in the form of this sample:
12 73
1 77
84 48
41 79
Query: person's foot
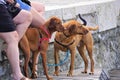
24 78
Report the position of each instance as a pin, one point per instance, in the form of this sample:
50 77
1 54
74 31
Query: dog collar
66 46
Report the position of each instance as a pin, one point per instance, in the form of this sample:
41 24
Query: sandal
24 78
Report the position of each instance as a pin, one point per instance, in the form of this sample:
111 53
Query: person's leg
22 21
38 6
38 20
11 38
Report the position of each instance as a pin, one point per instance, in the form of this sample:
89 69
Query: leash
61 61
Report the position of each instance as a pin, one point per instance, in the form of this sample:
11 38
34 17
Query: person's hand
17 5
10 1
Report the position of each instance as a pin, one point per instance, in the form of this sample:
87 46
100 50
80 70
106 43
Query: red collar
44 39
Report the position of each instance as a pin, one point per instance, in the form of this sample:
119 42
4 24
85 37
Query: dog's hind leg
56 57
81 50
24 45
90 53
34 63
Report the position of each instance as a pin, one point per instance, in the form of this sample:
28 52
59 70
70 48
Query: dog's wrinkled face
74 27
55 24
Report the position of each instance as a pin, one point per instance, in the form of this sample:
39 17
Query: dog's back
88 39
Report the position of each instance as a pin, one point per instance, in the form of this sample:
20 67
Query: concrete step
76 76
114 74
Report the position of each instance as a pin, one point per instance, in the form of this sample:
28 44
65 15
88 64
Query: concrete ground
77 76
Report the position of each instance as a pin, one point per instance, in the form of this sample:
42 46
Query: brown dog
36 40
75 36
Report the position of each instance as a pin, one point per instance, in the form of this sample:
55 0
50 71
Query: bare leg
38 6
22 22
38 20
11 39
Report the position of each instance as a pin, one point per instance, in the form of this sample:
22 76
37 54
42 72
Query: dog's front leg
72 51
56 61
43 52
44 61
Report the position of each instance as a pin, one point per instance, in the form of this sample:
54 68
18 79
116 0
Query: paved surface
77 76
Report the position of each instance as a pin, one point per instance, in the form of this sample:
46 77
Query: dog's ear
72 28
52 21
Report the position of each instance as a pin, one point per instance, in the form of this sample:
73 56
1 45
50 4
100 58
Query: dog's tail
84 21
93 28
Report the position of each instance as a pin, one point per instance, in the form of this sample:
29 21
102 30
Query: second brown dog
75 36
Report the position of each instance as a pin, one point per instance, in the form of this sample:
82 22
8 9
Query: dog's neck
45 32
65 34
50 31
64 38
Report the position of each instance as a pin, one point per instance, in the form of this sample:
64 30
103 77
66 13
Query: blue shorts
24 5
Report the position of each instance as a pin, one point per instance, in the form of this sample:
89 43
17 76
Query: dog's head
55 24
74 27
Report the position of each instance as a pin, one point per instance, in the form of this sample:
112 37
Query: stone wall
106 53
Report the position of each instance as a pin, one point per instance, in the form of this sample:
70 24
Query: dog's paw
56 74
50 78
34 76
69 74
84 72
91 73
